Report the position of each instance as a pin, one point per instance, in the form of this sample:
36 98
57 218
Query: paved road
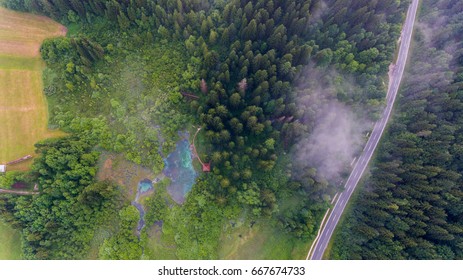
396 76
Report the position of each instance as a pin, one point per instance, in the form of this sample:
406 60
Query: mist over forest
412 206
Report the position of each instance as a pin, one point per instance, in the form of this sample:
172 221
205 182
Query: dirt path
18 192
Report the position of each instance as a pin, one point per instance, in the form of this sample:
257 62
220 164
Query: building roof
207 167
2 168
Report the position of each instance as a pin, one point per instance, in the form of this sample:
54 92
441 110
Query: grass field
23 107
262 242
10 243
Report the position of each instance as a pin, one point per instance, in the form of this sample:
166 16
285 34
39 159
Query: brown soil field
115 168
22 34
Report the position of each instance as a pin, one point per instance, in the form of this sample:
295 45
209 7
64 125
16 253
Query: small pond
179 168
144 186
141 222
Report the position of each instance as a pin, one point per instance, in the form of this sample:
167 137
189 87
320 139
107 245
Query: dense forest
116 81
59 223
411 206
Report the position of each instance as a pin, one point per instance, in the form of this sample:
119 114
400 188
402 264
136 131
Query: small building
2 168
207 167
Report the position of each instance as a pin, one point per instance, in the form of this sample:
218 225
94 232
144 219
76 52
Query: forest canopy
263 75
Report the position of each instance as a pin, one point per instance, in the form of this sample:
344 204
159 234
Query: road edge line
318 234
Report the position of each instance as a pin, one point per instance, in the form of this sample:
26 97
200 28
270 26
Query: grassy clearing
159 244
23 107
262 242
23 112
10 243
20 63
158 239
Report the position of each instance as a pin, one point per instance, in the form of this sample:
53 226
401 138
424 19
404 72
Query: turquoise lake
179 168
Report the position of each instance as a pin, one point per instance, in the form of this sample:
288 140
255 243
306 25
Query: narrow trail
194 147
206 166
18 192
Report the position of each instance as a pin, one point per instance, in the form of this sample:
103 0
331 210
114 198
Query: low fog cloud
318 10
333 143
433 62
335 132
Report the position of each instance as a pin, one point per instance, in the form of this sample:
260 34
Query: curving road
321 242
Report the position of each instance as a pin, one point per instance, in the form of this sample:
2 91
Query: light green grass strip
10 243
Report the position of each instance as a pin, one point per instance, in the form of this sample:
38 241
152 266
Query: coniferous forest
263 74
411 207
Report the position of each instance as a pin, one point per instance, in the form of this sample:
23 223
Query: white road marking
370 148
318 234
332 201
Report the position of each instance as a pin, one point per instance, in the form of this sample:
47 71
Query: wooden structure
19 160
190 95
206 167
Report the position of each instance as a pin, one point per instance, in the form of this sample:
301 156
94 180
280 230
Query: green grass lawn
159 244
262 242
10 243
23 107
